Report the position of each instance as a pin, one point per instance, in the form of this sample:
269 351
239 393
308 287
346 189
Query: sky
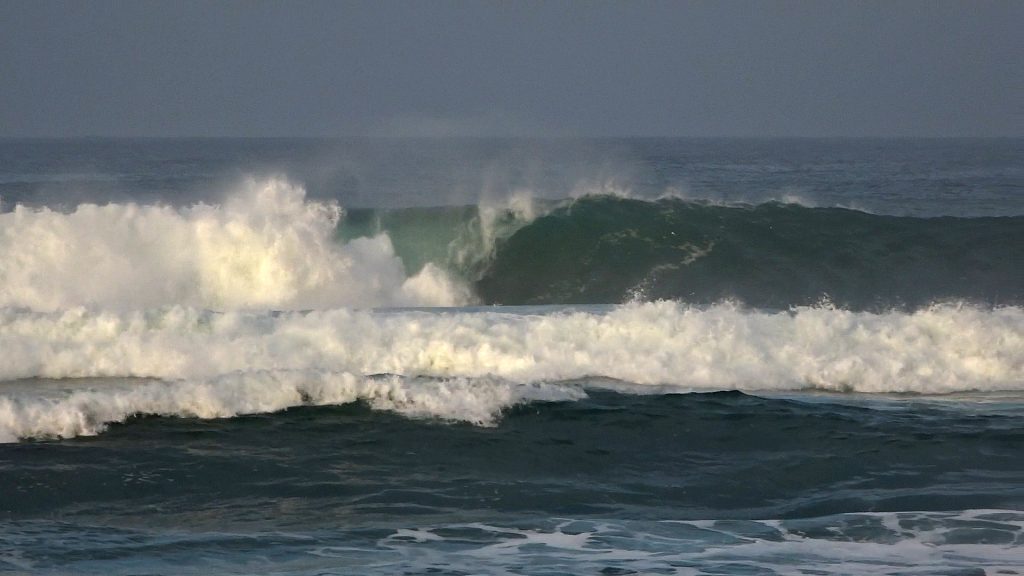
511 68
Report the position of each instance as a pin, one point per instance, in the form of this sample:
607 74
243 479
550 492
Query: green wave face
419 235
610 250
459 239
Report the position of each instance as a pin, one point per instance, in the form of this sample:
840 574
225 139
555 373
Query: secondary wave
266 246
470 365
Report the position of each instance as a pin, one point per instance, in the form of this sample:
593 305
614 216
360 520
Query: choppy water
285 357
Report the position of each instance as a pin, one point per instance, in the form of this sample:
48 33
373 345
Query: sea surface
486 356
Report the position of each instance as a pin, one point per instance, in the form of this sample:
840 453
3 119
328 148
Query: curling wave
607 249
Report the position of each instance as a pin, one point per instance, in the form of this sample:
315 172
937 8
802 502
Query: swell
603 249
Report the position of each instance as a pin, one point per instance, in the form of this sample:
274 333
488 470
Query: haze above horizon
529 69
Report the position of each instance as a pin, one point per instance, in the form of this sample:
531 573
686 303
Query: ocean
511 356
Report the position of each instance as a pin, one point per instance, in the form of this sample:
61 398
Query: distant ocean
486 356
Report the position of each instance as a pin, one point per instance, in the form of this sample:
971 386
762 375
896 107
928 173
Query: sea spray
266 246
461 240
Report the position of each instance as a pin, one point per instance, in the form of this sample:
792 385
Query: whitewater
176 295
732 357
469 365
264 246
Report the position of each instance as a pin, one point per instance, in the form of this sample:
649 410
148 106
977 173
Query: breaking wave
469 365
266 246
269 247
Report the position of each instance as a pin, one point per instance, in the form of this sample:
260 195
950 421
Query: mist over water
930 177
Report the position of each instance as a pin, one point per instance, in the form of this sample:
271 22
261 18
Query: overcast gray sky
814 68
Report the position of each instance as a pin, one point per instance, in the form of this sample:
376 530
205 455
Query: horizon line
508 137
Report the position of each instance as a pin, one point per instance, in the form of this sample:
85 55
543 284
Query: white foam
645 346
85 408
857 543
941 349
266 246
602 187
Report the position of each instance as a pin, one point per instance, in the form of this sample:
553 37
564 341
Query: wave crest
86 409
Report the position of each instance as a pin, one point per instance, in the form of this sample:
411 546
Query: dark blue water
274 492
806 357
953 177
